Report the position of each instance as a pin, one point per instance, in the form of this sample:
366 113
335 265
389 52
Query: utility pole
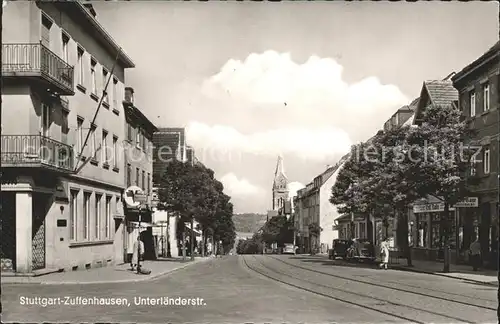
139 244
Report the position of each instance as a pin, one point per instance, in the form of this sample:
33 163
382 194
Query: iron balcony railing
35 151
37 59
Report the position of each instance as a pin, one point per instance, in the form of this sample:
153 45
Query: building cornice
78 8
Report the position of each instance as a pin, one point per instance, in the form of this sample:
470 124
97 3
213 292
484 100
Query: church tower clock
280 186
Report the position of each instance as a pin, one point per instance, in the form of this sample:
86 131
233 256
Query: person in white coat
138 252
384 253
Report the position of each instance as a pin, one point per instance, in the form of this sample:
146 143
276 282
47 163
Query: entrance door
45 44
38 231
8 231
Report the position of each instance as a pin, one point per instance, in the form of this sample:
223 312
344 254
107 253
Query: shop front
428 223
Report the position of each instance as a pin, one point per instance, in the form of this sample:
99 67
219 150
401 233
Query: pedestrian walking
138 253
475 254
384 253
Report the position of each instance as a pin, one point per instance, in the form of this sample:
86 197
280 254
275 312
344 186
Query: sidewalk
463 272
112 274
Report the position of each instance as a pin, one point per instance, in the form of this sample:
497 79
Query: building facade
138 166
61 194
169 144
478 86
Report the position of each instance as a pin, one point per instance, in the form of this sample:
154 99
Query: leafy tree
192 193
442 160
278 229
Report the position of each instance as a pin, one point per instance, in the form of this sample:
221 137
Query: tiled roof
494 50
441 92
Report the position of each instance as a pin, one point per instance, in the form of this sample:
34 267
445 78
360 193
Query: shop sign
430 208
469 202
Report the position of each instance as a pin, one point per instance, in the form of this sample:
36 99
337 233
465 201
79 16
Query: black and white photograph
250 161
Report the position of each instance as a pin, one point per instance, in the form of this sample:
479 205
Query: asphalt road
260 289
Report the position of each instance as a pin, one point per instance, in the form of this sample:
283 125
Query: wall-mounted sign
468 202
134 196
430 208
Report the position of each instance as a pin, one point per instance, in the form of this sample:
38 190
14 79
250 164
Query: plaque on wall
61 223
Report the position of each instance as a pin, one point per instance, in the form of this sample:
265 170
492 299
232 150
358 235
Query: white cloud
239 187
217 140
293 187
278 105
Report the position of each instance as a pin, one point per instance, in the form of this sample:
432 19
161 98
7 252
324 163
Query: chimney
129 95
328 166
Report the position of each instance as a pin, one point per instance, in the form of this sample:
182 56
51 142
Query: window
137 175
130 131
129 175
143 180
97 221
486 97
472 104
115 94
486 161
108 217
115 151
148 184
46 26
93 76
73 210
64 127
81 70
104 147
86 215
93 143
473 164
65 53
138 136
104 82
45 122
79 138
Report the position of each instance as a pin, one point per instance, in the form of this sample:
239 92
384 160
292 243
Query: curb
402 268
140 279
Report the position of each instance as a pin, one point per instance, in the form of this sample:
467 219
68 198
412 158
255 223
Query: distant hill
249 223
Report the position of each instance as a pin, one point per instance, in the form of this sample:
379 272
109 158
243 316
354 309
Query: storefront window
421 230
435 239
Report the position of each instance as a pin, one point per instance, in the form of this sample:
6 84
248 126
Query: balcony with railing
36 62
36 151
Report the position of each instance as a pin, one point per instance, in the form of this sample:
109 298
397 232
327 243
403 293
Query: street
256 288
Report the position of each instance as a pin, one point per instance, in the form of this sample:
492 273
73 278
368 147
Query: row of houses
475 91
72 140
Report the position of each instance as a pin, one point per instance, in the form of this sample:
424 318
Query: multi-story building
61 204
315 216
478 85
138 165
169 144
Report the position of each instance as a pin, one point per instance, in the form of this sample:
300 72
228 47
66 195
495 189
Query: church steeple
280 185
280 169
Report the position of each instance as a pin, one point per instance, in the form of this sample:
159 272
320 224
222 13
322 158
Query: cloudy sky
253 80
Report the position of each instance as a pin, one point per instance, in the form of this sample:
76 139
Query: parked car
339 249
288 249
361 250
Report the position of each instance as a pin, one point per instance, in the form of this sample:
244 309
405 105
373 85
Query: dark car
361 250
339 249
